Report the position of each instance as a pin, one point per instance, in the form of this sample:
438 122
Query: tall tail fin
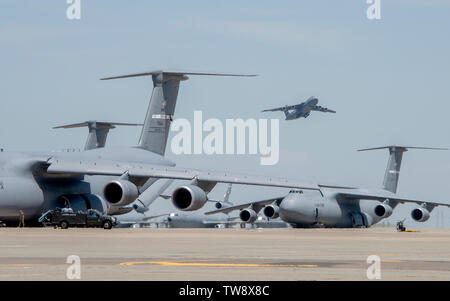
392 173
162 106
226 196
98 131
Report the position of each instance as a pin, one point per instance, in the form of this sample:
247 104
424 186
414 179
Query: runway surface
224 254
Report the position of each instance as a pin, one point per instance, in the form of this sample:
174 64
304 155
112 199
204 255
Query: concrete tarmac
224 254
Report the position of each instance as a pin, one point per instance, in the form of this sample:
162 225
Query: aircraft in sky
110 179
340 208
301 110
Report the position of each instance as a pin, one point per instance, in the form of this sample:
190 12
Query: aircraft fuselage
25 185
310 209
304 109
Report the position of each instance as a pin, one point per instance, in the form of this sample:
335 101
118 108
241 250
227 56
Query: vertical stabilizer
160 112
97 135
392 173
162 106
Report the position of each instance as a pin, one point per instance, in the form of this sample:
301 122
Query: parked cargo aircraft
192 219
175 219
301 110
339 207
110 179
98 133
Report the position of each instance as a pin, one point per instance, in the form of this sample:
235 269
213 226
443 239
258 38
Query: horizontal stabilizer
98 131
401 148
97 123
162 105
392 172
177 74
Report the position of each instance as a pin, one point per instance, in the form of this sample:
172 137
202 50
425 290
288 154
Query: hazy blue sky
388 80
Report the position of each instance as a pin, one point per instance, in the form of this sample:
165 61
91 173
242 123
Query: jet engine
219 205
420 214
271 211
189 197
383 210
248 215
120 192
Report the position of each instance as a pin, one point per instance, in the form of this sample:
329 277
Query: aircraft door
316 215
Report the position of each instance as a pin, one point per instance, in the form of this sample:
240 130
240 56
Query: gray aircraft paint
195 220
301 110
331 207
98 131
142 213
392 173
35 182
162 107
26 183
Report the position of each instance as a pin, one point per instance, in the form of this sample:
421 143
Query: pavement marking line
201 264
19 264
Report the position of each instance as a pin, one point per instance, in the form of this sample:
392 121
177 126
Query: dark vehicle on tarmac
66 217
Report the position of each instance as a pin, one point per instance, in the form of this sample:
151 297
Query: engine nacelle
189 197
248 215
383 210
140 209
420 214
120 192
271 211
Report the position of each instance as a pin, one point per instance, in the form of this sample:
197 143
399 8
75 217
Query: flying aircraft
340 208
98 131
301 110
110 179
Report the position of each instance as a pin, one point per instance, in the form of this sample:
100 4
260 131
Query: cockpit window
296 191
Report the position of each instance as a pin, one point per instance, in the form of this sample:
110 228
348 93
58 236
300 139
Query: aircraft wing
285 108
141 170
382 197
322 109
257 206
